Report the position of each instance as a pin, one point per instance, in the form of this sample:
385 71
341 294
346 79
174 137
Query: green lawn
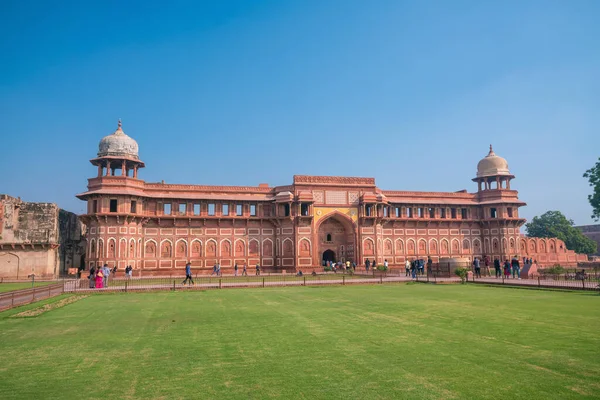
7 287
400 341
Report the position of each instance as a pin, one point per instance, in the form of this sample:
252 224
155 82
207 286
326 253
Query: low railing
25 296
549 282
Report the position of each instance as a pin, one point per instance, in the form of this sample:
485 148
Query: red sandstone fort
158 227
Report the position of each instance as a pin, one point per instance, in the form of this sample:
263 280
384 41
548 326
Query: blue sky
245 92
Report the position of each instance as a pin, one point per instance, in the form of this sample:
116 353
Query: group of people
344 266
417 267
506 269
98 277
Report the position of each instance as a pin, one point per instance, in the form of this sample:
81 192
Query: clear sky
246 92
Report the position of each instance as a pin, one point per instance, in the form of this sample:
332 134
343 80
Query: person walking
257 270
413 269
477 267
106 273
235 269
245 270
214 271
486 263
353 266
516 268
367 265
218 269
188 274
429 265
407 267
99 278
347 265
385 264
497 267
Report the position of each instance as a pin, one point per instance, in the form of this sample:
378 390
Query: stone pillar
99 170
108 170
123 168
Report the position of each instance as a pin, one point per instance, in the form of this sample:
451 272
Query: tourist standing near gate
429 265
99 278
385 264
413 268
106 273
245 270
486 262
257 269
497 267
421 266
477 267
235 268
214 270
367 265
516 268
218 269
188 274
407 267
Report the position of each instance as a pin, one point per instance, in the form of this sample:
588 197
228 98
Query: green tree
593 176
555 224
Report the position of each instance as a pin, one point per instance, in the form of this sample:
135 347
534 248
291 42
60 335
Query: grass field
402 341
7 287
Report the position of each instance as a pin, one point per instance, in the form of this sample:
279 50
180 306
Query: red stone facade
158 227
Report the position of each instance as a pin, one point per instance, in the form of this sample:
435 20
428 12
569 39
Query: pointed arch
304 246
122 248
93 248
150 247
211 248
455 245
444 246
411 247
253 247
139 248
100 248
181 248
368 247
239 248
433 246
542 246
132 248
495 245
288 247
196 248
388 247
486 245
476 246
466 247
166 248
399 246
111 248
225 248
422 247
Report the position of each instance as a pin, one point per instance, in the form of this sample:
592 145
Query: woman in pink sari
99 276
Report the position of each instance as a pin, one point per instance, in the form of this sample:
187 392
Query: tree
593 176
555 224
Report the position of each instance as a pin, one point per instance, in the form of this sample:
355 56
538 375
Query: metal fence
587 282
25 296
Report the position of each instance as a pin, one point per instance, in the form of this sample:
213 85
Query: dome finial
120 123
491 153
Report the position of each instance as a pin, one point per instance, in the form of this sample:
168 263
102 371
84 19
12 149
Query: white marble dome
118 145
492 165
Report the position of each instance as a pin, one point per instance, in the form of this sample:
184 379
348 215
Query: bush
327 269
462 273
554 270
381 268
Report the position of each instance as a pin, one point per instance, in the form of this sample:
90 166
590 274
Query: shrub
462 273
554 270
327 269
381 268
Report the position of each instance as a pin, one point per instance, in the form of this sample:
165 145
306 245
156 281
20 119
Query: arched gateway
336 239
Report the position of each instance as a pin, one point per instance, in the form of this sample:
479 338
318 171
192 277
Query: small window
133 206
253 210
493 213
328 239
182 208
453 213
368 210
239 210
442 213
385 211
113 205
409 212
266 210
421 212
510 212
397 212
95 206
211 208
286 210
431 212
463 213
196 209
167 209
304 209
225 209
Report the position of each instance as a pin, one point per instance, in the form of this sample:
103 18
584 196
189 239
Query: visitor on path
506 268
477 267
99 278
218 269
413 269
214 271
407 267
486 262
106 273
299 273
114 271
374 264
257 270
347 265
429 265
385 264
516 268
497 267
188 274
367 265
421 266
353 266
235 268
130 272
92 278
245 270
